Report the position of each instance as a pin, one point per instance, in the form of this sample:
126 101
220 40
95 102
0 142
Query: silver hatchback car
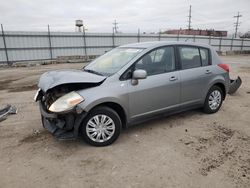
128 85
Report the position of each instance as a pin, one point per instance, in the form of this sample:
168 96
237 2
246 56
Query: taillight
224 66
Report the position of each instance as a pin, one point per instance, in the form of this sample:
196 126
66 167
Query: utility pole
189 17
237 23
115 28
84 29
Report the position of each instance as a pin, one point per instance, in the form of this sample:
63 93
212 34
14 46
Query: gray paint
156 93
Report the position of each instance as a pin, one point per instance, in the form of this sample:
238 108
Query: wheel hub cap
100 128
214 100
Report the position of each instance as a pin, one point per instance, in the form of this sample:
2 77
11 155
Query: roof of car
162 43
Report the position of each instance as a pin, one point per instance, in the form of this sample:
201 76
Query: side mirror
138 74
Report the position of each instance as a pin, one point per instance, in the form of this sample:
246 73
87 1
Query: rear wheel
101 127
213 100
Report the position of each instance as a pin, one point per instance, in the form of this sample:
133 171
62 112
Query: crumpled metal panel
52 79
4 112
234 85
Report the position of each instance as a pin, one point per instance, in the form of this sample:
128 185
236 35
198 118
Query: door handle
208 71
173 78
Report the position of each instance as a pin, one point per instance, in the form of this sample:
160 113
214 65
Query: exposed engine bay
47 98
62 125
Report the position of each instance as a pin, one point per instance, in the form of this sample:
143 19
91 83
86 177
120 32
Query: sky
98 15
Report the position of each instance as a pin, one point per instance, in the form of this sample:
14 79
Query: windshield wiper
92 71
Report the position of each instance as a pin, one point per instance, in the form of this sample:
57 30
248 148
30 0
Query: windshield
112 61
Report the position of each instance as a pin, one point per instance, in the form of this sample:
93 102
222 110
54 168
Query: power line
189 17
115 28
237 23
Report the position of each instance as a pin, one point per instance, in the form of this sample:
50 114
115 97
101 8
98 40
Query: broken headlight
66 102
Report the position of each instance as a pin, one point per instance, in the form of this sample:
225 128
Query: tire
212 105
94 131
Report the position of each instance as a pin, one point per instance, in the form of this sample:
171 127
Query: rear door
195 73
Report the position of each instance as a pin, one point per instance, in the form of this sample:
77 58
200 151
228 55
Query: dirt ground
190 149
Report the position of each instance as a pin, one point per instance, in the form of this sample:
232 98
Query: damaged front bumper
63 126
234 85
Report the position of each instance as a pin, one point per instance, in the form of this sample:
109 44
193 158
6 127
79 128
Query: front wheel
101 127
213 100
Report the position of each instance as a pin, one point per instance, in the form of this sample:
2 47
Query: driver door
161 89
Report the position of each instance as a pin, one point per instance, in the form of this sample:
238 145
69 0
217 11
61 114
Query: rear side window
204 56
190 57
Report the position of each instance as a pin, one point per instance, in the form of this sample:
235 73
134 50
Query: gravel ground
190 149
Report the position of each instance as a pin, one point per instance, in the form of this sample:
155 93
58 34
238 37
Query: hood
52 79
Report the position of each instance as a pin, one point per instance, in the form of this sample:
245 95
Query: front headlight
66 102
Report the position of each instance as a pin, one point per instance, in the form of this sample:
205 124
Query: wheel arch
116 107
223 88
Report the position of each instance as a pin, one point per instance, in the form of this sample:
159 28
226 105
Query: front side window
112 61
158 61
190 57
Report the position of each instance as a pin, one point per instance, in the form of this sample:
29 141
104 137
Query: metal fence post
5 47
209 41
220 44
178 36
138 36
84 42
194 38
242 41
50 46
113 38
159 37
231 46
